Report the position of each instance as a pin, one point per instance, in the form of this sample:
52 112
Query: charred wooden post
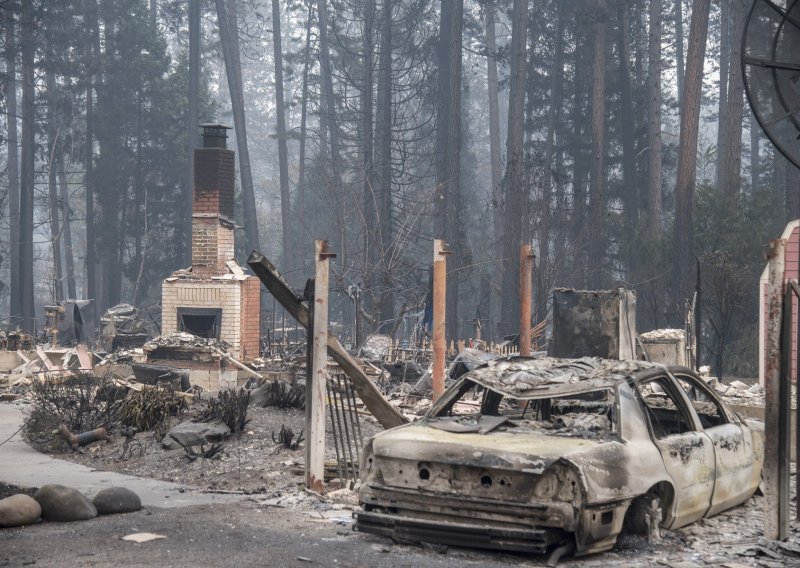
526 260
317 378
439 298
776 439
385 413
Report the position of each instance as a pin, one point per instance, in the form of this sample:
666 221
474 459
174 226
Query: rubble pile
19 367
376 348
16 340
738 393
294 365
181 339
122 328
123 356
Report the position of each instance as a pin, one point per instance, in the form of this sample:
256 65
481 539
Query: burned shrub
286 438
81 402
284 395
150 407
211 452
230 408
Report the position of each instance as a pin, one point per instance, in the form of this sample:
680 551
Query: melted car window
667 417
586 415
706 407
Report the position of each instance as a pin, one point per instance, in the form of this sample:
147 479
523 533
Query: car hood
508 449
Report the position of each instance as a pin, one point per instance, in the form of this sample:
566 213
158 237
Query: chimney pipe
215 135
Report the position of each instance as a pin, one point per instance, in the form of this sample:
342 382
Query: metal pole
358 319
526 257
315 412
439 296
345 430
775 516
335 430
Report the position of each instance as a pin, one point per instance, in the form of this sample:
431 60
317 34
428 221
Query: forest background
614 135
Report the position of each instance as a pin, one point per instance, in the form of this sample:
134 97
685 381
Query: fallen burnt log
380 408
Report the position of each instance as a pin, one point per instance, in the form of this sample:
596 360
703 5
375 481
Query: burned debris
283 395
230 408
553 441
121 327
287 439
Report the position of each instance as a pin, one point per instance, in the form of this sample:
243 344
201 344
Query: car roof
544 377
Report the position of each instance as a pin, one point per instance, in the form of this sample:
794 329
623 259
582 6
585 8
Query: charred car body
537 455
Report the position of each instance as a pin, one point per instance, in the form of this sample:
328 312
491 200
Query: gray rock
194 434
64 504
19 510
116 500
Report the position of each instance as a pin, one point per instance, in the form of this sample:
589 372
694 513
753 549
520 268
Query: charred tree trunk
111 198
283 153
69 257
383 163
52 182
367 125
15 305
724 67
654 194
515 187
580 169
92 48
448 146
329 124
556 101
683 238
495 153
301 155
630 195
139 210
597 197
755 153
731 172
185 250
679 59
27 48
227 16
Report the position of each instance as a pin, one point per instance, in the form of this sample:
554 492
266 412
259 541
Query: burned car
555 455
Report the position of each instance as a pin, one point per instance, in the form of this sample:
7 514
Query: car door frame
733 449
689 458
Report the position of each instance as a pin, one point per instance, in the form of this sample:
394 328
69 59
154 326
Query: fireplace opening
202 322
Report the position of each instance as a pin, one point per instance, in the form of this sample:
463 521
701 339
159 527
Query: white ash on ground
659 335
183 339
739 393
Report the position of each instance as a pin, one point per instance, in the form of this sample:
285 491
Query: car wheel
644 518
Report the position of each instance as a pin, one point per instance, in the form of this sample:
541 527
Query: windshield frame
460 388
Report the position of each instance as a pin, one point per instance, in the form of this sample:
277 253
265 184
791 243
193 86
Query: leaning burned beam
385 413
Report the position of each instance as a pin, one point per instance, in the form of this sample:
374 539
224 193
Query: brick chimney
212 207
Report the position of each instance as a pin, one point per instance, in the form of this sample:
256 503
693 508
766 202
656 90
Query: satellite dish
771 67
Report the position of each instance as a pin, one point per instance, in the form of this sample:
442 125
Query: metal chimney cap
214 135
